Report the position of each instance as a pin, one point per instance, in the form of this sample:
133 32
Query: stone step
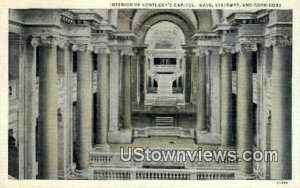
164 121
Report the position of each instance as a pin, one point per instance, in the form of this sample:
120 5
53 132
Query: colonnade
48 103
245 126
108 115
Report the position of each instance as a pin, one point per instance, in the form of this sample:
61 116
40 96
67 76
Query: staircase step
164 121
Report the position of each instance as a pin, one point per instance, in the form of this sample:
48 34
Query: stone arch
125 18
133 20
165 31
216 16
204 19
141 31
141 15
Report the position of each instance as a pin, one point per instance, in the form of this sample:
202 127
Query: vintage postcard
105 92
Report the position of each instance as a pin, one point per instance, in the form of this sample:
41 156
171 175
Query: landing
164 142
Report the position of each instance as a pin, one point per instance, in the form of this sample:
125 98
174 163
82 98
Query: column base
102 147
83 174
205 137
122 136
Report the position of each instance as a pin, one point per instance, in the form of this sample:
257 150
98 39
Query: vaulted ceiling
190 21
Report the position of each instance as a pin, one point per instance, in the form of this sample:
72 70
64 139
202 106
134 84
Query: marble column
84 106
194 78
68 105
201 94
127 97
31 112
48 163
63 112
213 85
281 112
102 98
187 80
263 88
226 94
114 91
244 111
138 79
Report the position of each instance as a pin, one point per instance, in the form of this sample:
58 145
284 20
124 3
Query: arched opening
166 65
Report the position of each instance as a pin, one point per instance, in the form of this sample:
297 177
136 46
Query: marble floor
164 142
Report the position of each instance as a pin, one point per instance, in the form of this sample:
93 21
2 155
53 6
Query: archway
165 65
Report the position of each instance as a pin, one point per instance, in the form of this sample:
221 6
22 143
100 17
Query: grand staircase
164 121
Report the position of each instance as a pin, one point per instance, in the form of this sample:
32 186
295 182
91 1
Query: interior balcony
107 165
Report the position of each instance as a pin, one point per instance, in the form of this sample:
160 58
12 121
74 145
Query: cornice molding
122 36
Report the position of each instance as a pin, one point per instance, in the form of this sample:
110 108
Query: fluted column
201 94
48 161
281 112
127 97
102 98
84 106
244 111
225 93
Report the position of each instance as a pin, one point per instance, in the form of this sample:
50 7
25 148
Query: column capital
139 49
246 47
47 40
127 51
248 43
188 50
226 50
278 40
201 51
279 34
82 47
34 42
101 50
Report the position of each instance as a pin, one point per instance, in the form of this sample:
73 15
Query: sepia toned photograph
150 94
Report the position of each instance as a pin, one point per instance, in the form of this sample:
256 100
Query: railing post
133 172
193 174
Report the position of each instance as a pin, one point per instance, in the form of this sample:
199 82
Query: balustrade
160 174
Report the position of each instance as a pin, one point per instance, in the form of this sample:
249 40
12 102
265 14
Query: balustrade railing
98 159
215 176
160 174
